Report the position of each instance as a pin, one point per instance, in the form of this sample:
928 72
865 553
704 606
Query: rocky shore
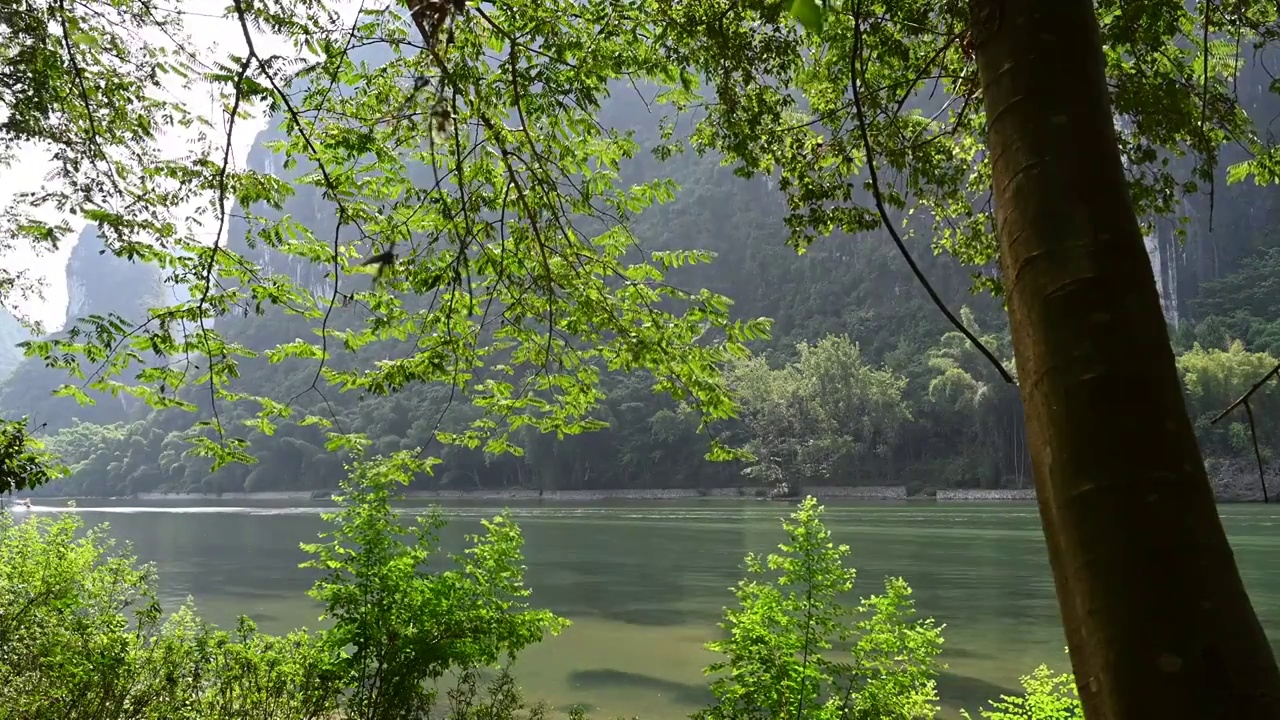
1237 480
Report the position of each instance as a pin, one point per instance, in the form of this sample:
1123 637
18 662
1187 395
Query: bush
781 658
1045 697
83 636
405 624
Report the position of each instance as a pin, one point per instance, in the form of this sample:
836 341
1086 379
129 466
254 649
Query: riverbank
855 493
822 492
1225 493
1229 487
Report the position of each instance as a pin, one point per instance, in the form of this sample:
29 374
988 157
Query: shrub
780 653
406 621
1046 696
82 636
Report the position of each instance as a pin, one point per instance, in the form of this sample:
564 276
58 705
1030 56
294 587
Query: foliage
82 634
511 279
964 395
958 383
1241 305
845 421
85 86
962 428
794 650
513 293
820 416
1251 291
1046 696
1216 378
523 295
900 57
408 621
24 461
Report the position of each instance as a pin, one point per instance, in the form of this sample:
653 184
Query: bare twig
1249 393
1257 454
1253 427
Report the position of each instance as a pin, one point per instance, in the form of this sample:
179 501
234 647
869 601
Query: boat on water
23 504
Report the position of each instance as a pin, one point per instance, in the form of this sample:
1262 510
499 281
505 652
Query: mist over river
644 582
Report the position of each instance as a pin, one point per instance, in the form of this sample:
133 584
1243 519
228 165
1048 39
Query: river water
644 582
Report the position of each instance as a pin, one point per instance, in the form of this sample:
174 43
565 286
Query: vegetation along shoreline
826 493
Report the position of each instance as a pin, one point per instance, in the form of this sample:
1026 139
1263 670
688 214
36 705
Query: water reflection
691 694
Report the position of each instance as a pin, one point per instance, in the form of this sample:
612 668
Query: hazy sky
215 37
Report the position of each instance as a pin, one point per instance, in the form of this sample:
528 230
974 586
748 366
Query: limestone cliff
11 333
98 283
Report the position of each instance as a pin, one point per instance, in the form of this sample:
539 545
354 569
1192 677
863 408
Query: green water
644 583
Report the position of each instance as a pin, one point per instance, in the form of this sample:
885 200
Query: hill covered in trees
863 381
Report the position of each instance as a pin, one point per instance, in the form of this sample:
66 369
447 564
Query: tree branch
884 213
1245 397
1253 428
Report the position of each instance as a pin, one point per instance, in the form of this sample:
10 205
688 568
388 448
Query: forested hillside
863 381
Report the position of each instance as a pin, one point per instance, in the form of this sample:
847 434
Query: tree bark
1157 618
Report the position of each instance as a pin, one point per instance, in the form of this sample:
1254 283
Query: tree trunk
1157 618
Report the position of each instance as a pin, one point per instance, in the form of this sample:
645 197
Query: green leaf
86 39
1239 171
810 15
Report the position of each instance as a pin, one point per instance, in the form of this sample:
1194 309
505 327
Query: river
644 582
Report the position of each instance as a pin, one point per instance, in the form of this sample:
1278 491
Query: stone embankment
1232 483
892 492
863 493
822 492
976 494
1237 480
287 495
869 492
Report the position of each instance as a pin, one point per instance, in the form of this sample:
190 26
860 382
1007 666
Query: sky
214 37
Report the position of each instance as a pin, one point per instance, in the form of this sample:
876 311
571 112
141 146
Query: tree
1215 379
24 462
1121 484
514 281
830 414
515 284
86 83
793 648
983 408
82 84
1122 487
